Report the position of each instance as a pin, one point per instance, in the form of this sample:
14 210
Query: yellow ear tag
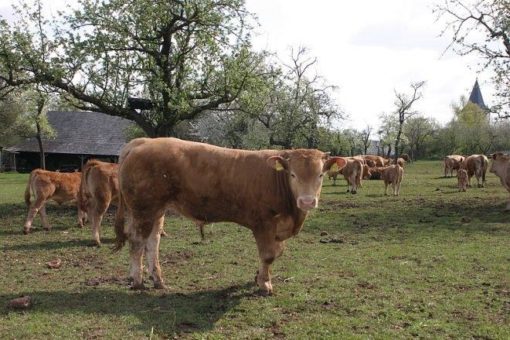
278 166
334 167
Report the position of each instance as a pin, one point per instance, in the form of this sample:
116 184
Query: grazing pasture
432 262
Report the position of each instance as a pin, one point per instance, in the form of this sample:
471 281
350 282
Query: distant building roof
82 133
476 96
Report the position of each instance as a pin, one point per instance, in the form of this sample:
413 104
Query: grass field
432 263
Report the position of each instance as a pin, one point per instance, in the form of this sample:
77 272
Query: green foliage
187 57
432 263
10 110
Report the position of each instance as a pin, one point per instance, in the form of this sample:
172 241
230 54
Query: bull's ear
278 163
334 162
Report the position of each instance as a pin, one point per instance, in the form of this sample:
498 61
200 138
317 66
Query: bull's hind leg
32 211
44 218
152 253
137 246
269 249
96 215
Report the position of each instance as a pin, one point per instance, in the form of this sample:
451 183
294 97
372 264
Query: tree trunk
41 148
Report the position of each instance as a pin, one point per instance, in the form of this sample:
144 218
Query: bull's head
305 170
497 159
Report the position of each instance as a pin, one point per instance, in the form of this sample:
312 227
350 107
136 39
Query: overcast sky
368 49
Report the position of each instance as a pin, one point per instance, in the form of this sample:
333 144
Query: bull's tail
485 166
83 194
120 234
27 191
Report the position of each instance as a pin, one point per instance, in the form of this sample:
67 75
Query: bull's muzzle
307 202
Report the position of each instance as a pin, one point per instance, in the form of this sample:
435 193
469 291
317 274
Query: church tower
476 98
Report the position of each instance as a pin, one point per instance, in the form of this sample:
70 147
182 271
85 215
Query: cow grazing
267 191
333 174
406 157
392 175
99 188
452 162
50 185
501 167
376 160
476 165
462 179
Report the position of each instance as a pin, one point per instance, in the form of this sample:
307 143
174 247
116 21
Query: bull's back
198 180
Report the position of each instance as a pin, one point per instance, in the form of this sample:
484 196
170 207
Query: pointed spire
476 96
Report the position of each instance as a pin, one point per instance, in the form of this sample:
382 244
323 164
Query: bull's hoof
138 286
26 231
354 192
163 233
348 190
159 285
46 229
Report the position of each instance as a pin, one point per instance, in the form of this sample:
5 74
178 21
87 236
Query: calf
462 179
50 185
476 165
267 191
452 162
99 188
501 167
392 175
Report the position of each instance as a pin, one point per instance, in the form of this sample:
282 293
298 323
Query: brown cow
267 191
352 172
476 165
333 174
400 161
405 157
501 167
50 185
452 162
462 179
392 175
377 160
99 187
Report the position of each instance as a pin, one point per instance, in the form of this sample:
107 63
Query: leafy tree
483 28
186 56
10 110
419 132
387 133
365 138
404 103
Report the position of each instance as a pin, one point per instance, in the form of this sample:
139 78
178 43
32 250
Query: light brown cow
400 161
393 175
352 172
501 167
267 191
99 188
462 179
452 162
377 160
476 165
50 185
333 174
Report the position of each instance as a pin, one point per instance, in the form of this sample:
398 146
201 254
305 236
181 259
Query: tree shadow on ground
52 245
168 313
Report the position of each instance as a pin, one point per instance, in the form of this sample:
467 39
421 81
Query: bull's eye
292 175
321 175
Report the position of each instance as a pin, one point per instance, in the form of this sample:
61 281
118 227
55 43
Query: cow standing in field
462 179
501 167
354 171
267 191
50 185
376 160
393 175
333 174
99 188
476 165
452 162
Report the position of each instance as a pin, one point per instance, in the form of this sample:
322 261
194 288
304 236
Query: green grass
432 263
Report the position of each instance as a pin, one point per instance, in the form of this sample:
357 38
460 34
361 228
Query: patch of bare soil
97 281
177 257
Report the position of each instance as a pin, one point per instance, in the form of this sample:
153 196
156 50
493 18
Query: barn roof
83 133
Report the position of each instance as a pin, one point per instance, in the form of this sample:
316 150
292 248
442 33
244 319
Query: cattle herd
270 192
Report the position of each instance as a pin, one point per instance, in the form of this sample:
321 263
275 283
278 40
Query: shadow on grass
168 313
52 245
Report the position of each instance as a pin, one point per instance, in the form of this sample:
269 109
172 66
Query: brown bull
476 165
393 175
267 191
452 162
501 167
49 185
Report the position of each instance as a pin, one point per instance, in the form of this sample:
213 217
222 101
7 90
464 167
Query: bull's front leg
269 249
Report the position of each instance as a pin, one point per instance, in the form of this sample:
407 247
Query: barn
79 137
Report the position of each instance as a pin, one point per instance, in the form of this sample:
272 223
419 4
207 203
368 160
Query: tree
419 132
10 110
365 138
185 56
482 28
387 133
404 103
33 122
